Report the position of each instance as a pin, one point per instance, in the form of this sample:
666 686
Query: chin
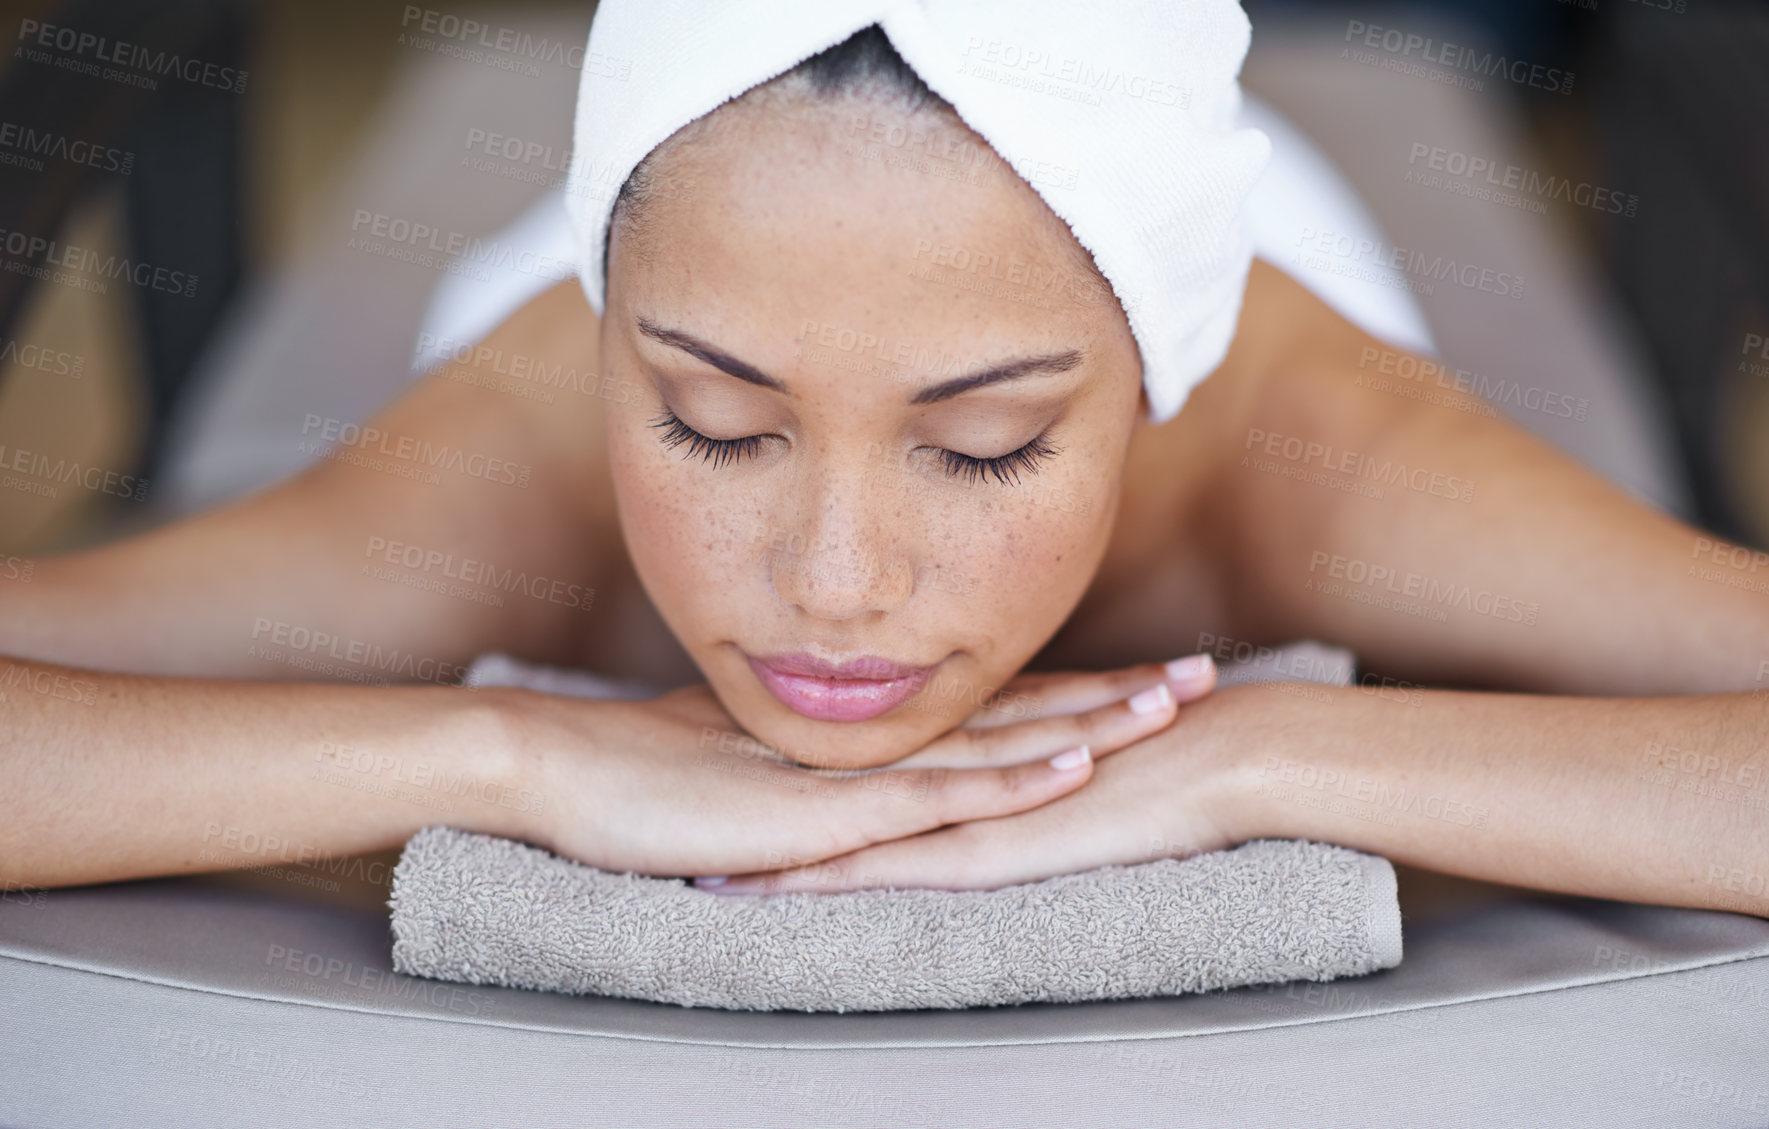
844 744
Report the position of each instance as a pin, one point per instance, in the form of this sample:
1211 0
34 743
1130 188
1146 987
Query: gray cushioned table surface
254 1000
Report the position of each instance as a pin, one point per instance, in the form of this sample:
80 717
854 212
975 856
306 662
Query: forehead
853 210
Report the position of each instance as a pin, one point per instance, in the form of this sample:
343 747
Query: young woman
865 562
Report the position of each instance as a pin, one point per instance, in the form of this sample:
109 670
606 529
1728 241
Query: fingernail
1190 668
711 880
1150 700
1071 760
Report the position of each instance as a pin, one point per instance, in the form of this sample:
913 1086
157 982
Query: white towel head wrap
1119 114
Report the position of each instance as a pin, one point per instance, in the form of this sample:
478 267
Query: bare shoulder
1197 506
535 374
1299 383
1297 362
423 530
1438 539
529 396
532 394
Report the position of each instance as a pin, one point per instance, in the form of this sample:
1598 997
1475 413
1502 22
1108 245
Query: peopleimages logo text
26 247
31 145
103 49
1490 64
514 42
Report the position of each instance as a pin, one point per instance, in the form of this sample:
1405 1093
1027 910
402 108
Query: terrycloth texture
485 910
1120 115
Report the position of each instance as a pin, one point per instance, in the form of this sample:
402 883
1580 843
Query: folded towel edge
1383 918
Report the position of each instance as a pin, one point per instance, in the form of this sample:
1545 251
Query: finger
1049 693
932 857
892 804
1105 729
985 855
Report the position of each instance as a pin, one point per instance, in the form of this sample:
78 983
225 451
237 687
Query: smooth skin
1611 742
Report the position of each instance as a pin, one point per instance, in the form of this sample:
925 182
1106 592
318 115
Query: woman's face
916 397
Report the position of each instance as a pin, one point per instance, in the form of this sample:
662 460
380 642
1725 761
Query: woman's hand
1165 796
1054 694
672 786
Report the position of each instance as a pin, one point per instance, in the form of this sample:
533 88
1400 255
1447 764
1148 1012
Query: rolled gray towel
484 910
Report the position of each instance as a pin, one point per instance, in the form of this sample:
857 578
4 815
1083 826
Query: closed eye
1002 467
717 451
969 467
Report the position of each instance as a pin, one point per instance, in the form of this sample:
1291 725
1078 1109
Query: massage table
260 1000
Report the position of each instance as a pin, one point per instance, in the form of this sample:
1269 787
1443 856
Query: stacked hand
1143 801
673 787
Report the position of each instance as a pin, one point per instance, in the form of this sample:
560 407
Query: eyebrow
945 390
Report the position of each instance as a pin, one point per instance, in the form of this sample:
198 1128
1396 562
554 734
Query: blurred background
226 226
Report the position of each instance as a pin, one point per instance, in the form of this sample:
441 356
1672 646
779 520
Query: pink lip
855 690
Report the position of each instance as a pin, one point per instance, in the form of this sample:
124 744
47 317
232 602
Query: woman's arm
107 776
1661 800
1444 544
112 776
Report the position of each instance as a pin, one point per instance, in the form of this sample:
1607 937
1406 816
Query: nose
843 559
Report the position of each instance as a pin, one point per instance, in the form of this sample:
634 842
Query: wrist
499 780
1234 735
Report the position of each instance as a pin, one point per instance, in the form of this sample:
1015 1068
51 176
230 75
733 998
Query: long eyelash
717 451
1002 467
969 467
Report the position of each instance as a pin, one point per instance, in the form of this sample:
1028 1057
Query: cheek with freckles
1016 573
693 545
